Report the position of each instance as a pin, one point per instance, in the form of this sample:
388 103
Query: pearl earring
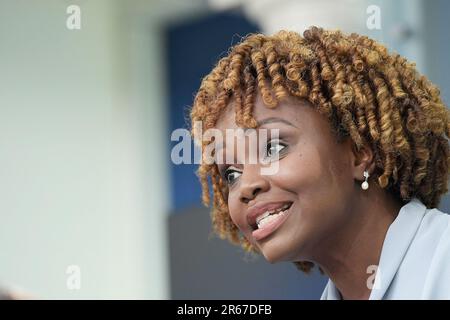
365 184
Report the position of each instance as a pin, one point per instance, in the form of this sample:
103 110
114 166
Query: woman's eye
274 147
231 175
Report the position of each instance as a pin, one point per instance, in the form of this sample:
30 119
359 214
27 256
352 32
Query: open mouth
271 215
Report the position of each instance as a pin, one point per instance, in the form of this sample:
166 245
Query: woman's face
315 179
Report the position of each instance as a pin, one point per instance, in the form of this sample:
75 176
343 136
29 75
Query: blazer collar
398 238
396 244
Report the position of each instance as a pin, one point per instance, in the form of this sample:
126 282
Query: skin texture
333 222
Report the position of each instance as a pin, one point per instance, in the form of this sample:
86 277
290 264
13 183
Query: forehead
294 110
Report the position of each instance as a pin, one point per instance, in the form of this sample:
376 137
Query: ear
361 159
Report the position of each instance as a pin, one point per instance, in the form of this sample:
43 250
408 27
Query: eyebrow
266 121
275 119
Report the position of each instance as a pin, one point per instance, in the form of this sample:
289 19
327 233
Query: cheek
317 177
236 211
300 171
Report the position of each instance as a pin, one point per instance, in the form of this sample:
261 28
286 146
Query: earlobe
362 160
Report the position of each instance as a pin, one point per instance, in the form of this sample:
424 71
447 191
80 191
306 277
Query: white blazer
415 257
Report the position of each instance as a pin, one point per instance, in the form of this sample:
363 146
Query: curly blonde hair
373 96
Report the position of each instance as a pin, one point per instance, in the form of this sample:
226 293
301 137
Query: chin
277 250
272 258
273 253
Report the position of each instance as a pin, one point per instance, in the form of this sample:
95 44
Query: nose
252 183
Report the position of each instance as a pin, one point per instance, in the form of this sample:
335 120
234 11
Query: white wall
83 151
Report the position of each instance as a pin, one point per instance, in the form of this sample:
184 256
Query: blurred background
91 205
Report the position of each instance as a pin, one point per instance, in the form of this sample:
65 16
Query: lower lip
270 227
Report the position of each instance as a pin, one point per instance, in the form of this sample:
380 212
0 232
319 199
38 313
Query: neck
351 256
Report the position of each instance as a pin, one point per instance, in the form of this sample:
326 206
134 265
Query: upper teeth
271 212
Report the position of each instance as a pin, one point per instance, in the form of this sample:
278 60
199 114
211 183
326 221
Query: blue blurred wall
193 49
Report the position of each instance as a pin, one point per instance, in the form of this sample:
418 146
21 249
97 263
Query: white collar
396 243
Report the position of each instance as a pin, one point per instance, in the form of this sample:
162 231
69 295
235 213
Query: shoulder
436 217
435 230
423 269
435 226
431 231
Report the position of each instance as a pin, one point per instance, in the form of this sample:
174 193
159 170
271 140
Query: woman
362 161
